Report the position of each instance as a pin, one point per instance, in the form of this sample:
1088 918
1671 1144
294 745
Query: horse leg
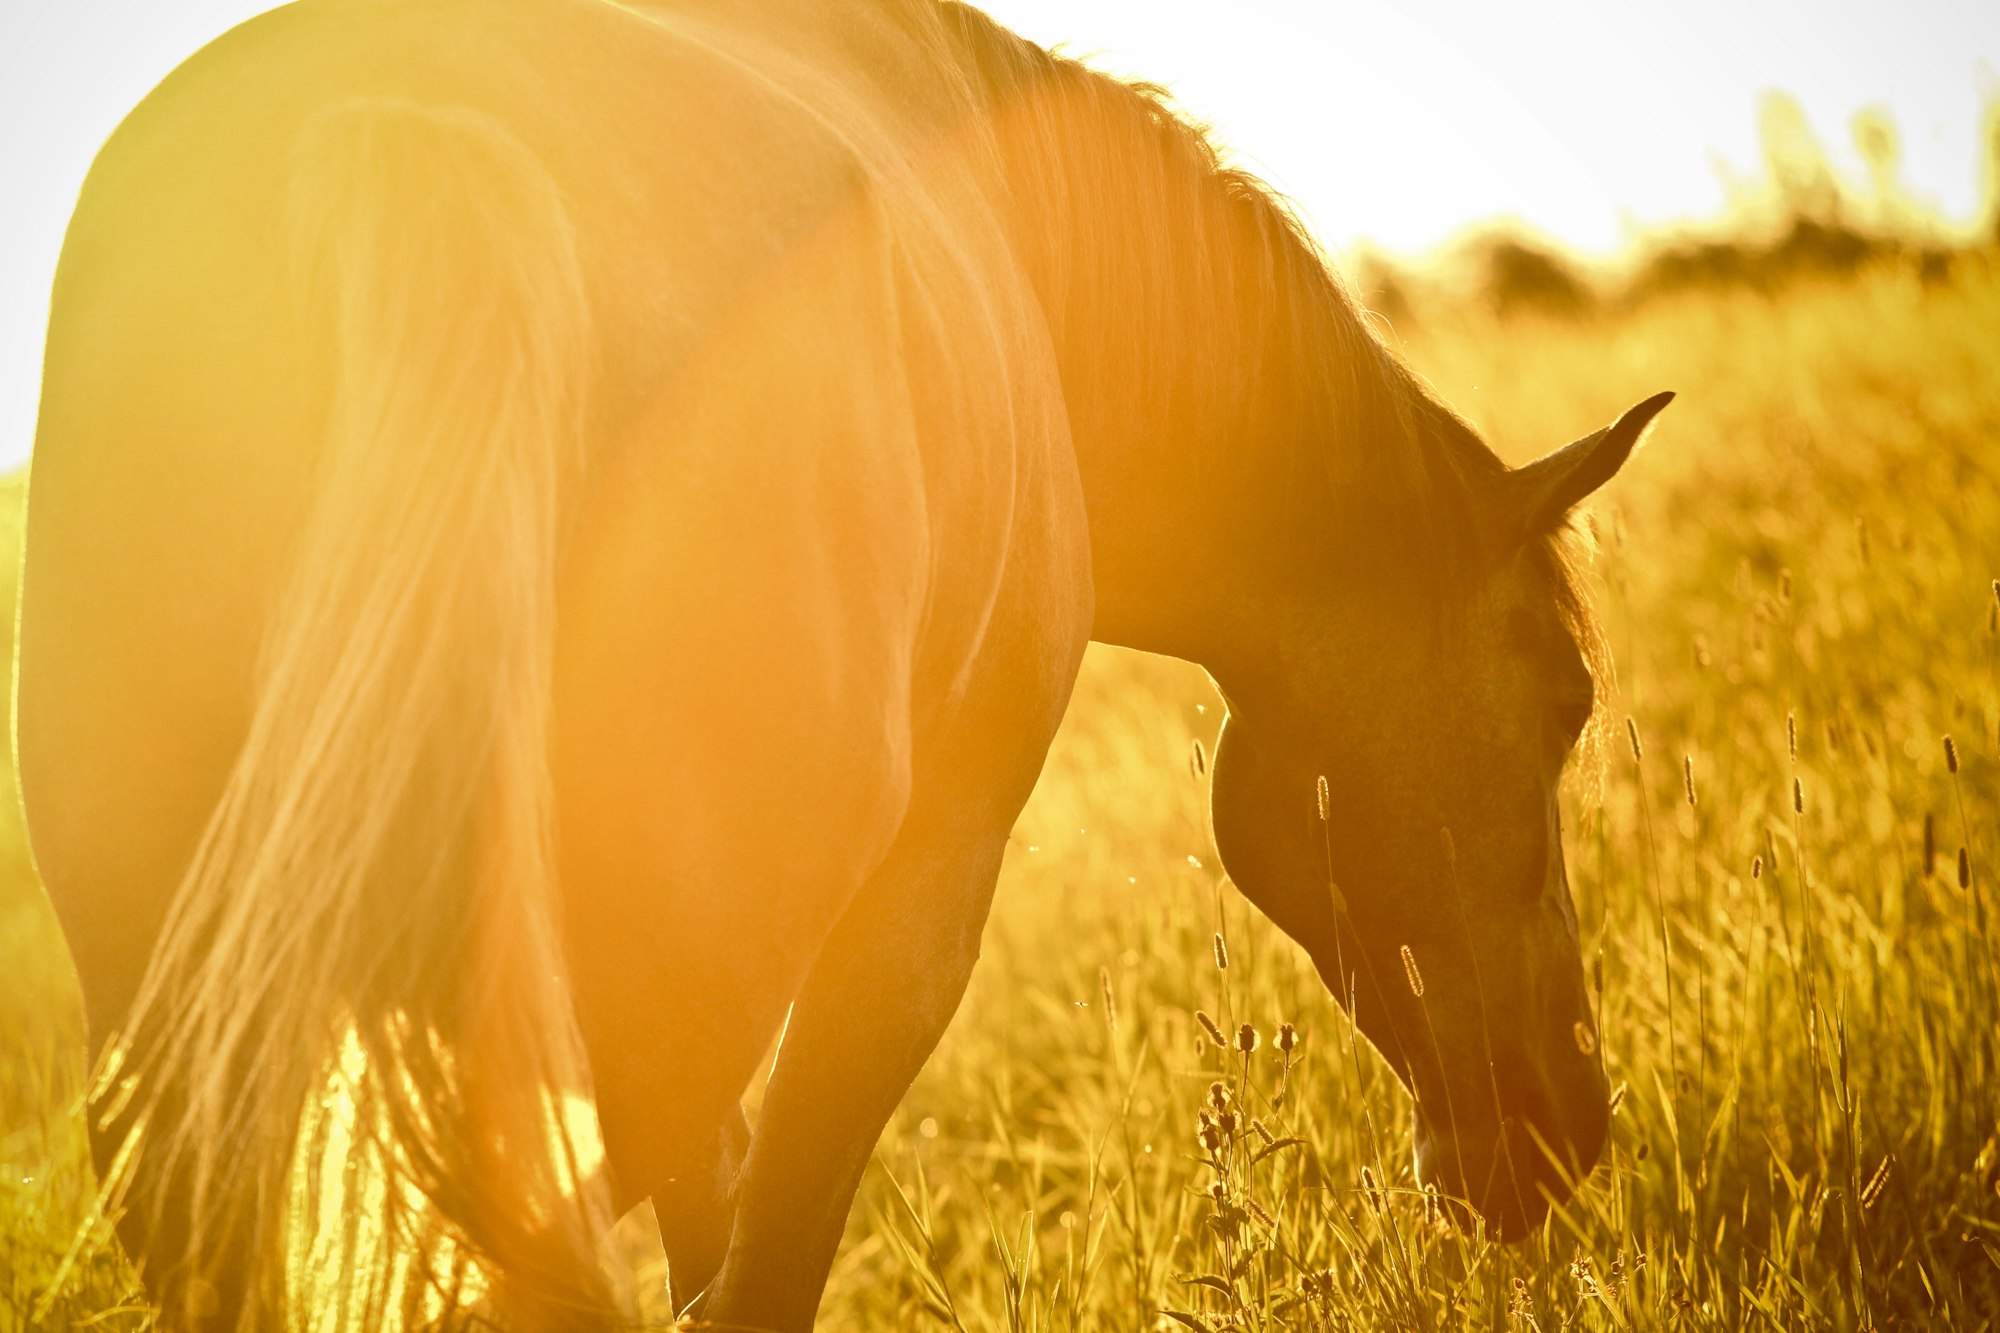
878 998
151 1225
676 1022
696 1206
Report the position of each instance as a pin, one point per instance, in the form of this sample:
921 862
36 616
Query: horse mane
1393 475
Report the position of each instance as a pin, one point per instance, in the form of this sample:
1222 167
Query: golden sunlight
864 664
1394 125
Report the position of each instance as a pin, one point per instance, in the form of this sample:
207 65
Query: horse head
1386 791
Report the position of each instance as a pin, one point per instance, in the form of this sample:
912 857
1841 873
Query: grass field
1800 989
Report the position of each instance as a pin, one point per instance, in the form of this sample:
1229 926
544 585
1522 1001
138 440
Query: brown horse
560 534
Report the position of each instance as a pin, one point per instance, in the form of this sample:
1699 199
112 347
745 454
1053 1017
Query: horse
560 534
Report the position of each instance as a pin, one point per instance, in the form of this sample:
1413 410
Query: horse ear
1541 493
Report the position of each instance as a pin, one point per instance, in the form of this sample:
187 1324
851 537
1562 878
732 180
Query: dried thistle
1287 1038
1246 1039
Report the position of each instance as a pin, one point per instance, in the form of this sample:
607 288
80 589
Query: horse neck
1212 368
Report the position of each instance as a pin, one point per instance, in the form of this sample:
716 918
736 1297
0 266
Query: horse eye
1572 713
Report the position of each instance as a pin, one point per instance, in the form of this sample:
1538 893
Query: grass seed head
1632 735
1964 869
1687 777
1756 867
1198 759
1221 953
1950 755
1792 736
1110 1003
1586 1040
1873 1189
1208 1026
1325 799
1415 978
1798 797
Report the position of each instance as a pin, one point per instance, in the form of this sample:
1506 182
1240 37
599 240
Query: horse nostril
1525 1136
1593 1125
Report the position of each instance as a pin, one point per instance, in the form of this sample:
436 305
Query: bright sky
1392 122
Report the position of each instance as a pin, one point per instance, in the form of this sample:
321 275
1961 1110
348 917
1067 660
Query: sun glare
1394 124
851 664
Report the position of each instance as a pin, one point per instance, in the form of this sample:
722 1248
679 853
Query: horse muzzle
1512 1167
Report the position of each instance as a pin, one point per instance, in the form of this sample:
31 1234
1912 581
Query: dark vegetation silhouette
1798 220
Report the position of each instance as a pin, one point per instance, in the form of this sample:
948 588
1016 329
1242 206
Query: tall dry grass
1801 1007
1799 987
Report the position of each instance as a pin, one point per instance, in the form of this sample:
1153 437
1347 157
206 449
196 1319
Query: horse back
779 268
